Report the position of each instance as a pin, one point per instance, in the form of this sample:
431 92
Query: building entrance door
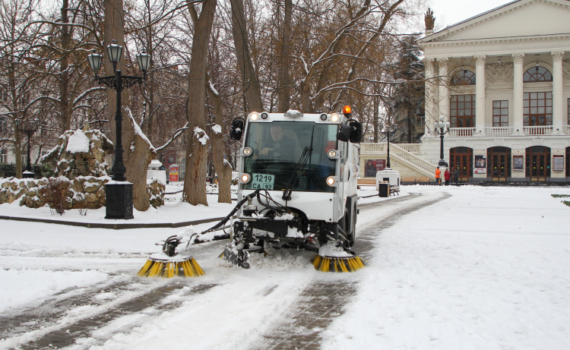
567 161
462 158
538 163
499 163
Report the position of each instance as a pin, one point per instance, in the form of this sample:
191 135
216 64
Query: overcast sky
448 12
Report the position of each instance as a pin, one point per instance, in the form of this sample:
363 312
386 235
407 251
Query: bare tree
139 151
197 149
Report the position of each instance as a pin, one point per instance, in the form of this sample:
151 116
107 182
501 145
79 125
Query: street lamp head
144 61
435 126
95 61
115 51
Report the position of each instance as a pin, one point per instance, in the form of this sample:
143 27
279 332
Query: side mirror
355 131
343 133
237 129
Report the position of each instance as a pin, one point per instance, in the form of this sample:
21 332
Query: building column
430 98
518 94
480 95
557 93
443 89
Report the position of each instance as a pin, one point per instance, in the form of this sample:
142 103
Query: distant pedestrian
456 176
437 176
447 177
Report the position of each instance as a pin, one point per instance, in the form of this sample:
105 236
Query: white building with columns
502 80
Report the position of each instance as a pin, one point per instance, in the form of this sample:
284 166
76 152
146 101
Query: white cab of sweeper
306 162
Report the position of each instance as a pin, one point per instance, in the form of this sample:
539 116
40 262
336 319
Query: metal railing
537 130
461 132
499 131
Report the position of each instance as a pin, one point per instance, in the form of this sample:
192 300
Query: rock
91 198
33 191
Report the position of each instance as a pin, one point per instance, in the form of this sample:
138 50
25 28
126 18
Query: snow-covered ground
483 268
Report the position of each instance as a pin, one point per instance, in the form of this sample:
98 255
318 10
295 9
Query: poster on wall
518 163
558 163
480 165
374 165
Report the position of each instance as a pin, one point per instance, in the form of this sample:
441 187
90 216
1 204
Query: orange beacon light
346 110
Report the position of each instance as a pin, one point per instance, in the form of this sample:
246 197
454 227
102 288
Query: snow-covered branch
176 134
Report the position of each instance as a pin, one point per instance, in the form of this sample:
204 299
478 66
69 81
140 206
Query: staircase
404 153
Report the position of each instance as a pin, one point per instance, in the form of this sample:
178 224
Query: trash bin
383 189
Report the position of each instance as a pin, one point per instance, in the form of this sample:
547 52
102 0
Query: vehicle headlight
324 117
247 151
253 116
245 178
334 117
331 181
264 115
332 154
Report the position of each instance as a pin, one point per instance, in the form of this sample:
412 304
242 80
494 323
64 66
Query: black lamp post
387 131
119 192
441 129
28 127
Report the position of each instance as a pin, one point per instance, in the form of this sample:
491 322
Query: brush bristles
337 264
186 268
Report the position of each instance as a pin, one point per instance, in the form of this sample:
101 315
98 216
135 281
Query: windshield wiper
306 155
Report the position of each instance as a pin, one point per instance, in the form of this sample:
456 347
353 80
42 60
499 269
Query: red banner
174 173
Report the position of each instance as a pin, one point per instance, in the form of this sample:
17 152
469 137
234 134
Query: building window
462 111
537 108
536 74
501 113
3 156
463 77
568 111
24 159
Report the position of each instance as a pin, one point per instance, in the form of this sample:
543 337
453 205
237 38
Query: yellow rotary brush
161 265
337 264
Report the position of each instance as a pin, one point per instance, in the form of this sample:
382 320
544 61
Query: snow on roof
78 142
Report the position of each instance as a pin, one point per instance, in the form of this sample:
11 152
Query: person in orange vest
437 176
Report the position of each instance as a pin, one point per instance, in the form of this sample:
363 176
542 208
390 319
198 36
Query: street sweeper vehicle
297 190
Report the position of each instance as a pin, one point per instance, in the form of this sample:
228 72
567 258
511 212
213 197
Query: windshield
277 148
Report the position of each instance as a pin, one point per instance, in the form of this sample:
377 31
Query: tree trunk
284 90
18 153
251 86
223 168
64 107
138 152
197 152
376 106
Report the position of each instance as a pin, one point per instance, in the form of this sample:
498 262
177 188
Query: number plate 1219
263 181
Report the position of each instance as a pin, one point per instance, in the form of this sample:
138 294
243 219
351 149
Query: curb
113 226
121 226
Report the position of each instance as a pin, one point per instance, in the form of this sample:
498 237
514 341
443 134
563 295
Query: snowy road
441 274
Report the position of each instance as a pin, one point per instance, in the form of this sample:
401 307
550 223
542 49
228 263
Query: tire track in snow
318 306
67 336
